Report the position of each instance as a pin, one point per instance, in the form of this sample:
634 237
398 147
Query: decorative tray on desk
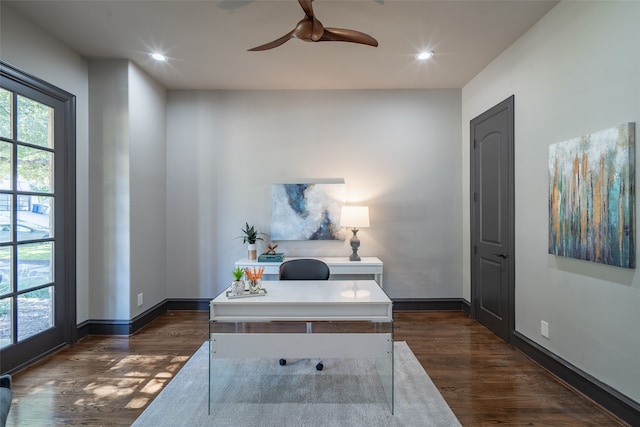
262 293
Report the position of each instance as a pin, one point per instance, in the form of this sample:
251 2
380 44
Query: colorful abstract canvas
307 211
592 197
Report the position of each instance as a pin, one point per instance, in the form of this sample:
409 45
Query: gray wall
109 193
127 190
576 71
398 152
147 169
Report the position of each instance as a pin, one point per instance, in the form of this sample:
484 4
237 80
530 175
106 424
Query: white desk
307 301
337 266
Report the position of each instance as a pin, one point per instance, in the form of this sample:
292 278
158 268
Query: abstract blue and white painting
308 211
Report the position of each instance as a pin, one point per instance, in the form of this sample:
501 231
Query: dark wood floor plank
108 381
485 381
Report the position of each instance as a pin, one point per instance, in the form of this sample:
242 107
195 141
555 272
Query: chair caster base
319 366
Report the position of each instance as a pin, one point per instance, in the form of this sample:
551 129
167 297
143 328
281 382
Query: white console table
337 266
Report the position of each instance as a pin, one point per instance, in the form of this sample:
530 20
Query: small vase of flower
250 237
255 279
237 286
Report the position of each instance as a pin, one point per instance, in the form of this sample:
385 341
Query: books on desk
271 257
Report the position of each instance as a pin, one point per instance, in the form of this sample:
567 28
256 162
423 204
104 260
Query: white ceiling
207 41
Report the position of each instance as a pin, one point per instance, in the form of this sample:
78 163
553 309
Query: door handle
503 256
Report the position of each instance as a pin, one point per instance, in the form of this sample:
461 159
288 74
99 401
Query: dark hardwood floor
108 381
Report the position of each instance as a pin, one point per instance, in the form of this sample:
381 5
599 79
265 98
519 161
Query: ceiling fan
310 29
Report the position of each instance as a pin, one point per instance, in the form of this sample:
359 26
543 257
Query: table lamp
354 217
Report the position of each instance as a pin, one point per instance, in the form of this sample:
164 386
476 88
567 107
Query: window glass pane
5 218
35 266
35 122
5 205
35 170
5 269
5 165
6 322
5 113
35 218
35 312
31 231
24 203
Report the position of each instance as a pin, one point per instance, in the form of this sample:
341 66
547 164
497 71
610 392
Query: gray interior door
492 257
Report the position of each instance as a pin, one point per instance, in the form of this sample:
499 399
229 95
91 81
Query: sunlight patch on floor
122 387
138 360
154 386
164 375
137 403
174 368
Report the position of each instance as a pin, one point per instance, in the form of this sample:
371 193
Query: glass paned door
36 313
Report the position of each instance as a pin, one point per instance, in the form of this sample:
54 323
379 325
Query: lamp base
355 244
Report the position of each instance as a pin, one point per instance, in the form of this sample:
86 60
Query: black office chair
304 269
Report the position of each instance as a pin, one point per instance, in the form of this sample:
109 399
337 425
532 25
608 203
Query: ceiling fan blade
282 40
307 7
342 35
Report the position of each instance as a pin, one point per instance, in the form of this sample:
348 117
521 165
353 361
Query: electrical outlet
544 329
139 300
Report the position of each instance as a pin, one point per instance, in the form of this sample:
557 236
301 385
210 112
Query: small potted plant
251 236
237 286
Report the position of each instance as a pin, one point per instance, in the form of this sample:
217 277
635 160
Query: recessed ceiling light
158 56
424 55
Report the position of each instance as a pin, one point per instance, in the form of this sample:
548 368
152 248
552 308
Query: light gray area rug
260 392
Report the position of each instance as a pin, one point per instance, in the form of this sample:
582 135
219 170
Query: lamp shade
354 216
